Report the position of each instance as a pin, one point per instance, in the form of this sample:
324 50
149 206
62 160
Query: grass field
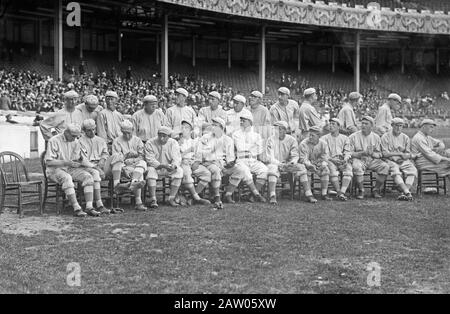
246 248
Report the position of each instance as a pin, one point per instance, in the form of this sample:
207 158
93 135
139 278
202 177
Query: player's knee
334 174
358 171
272 170
116 158
205 177
96 175
151 173
347 173
384 169
178 174
215 174
87 180
67 182
187 179
141 165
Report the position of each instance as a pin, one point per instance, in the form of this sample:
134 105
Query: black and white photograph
224 154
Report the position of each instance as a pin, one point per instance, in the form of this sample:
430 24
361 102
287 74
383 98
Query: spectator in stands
128 73
5 101
81 68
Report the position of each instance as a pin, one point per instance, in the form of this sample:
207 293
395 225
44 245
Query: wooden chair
117 198
315 182
370 179
14 177
430 179
285 184
243 192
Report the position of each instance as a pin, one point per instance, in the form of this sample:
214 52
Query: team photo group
207 155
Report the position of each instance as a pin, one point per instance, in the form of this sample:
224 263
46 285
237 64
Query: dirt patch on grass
10 223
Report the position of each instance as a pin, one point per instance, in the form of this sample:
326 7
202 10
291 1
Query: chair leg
419 184
111 194
45 196
41 208
2 200
20 209
438 184
445 185
164 183
292 185
58 210
144 193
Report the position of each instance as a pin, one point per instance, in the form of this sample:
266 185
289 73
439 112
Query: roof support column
157 47
357 60
229 53
368 60
262 61
193 50
333 57
81 42
119 45
402 57
299 56
437 61
165 51
58 41
39 36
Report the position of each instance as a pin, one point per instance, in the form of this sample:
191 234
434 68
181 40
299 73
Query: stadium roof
144 17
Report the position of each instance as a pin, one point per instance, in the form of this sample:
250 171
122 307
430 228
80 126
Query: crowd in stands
29 91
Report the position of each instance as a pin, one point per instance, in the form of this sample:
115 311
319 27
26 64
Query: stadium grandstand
238 47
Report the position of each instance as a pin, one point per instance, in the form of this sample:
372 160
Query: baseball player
346 115
148 120
128 161
396 148
339 158
283 155
365 148
314 156
163 157
66 163
248 147
109 119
